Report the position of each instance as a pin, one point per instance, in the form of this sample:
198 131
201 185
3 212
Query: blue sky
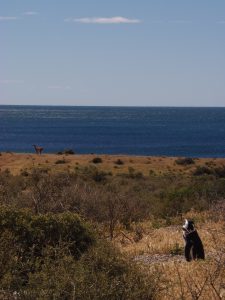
113 52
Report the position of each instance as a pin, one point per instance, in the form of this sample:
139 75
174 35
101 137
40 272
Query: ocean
161 131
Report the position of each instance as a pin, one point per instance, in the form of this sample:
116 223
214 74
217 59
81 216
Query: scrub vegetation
92 231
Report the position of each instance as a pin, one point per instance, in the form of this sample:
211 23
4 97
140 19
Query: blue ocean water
169 131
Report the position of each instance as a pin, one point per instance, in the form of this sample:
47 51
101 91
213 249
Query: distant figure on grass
193 244
38 149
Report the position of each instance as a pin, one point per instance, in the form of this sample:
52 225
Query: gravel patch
217 256
159 258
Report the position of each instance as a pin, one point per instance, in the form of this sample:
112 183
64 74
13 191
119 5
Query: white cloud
112 20
10 81
30 13
8 18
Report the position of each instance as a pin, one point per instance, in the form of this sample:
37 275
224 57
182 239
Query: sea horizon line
107 106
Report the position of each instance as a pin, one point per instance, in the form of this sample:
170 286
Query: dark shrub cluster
134 174
119 162
66 151
32 233
93 173
56 256
203 170
220 172
97 160
60 161
101 273
185 161
24 173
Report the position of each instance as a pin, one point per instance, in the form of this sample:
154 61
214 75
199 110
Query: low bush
66 151
57 257
24 173
202 170
32 233
101 273
69 151
133 174
60 162
119 162
97 160
185 161
151 172
92 172
220 172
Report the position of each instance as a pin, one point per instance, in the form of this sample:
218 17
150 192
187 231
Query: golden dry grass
195 280
165 239
179 279
16 162
153 250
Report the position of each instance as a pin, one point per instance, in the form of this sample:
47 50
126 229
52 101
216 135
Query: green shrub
57 257
92 172
101 273
32 233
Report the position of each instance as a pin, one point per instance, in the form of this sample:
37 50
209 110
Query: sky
112 52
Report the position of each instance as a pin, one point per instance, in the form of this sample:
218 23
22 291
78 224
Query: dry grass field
153 244
160 251
159 165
